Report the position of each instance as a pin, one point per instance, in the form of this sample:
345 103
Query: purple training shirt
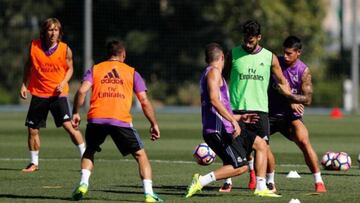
139 86
212 121
278 104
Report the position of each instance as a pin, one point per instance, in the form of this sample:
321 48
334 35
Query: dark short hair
212 52
251 28
292 42
45 26
114 47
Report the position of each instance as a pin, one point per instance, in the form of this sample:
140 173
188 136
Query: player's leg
261 149
128 141
301 138
95 135
226 187
270 172
60 109
35 119
230 152
75 136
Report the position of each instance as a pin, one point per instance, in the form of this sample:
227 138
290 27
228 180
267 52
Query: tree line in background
165 39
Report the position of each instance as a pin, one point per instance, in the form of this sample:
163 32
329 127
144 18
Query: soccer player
251 66
112 83
46 76
222 132
286 117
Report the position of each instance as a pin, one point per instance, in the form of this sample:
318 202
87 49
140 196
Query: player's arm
149 113
214 79
307 90
283 85
26 77
69 72
79 101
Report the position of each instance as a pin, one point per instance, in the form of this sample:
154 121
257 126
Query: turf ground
115 178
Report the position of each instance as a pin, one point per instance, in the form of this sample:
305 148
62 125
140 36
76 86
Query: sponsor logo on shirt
112 77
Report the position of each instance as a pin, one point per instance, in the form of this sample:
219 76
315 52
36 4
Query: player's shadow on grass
32 197
175 190
10 169
340 173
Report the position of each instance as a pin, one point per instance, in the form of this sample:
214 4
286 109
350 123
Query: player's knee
303 142
240 170
260 144
33 132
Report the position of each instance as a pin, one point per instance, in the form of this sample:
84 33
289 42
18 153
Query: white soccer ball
327 160
342 161
358 159
203 154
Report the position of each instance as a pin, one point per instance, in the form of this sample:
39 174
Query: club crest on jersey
112 77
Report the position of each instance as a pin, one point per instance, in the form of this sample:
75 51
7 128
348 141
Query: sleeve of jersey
139 84
88 76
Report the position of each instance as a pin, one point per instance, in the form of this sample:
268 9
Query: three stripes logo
112 77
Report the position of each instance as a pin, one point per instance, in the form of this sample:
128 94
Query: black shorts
40 107
127 140
282 124
260 128
231 152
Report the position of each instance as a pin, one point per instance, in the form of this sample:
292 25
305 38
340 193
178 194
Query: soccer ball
203 154
327 160
358 160
342 161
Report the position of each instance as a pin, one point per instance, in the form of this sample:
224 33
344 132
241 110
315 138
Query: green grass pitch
115 178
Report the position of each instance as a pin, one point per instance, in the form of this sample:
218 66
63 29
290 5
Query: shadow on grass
34 198
31 197
335 173
10 169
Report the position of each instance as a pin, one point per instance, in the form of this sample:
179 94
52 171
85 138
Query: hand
60 87
23 92
75 121
154 132
237 129
298 108
248 118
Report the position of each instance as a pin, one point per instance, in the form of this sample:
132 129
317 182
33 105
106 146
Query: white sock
317 177
251 164
260 183
228 181
81 149
34 155
207 179
147 184
85 175
270 177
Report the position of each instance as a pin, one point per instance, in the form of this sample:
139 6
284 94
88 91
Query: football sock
228 181
270 177
81 149
85 175
147 184
34 157
317 177
206 179
251 164
260 183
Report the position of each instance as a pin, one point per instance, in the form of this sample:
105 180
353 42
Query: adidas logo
66 117
112 77
30 122
266 138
